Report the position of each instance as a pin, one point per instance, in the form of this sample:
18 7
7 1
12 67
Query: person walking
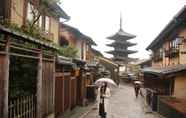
103 98
136 88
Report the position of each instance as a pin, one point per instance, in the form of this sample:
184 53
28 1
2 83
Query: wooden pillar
70 92
63 94
84 89
126 66
6 78
54 82
39 87
118 75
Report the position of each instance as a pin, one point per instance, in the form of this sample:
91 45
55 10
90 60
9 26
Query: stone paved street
123 104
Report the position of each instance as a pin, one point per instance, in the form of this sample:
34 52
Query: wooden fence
73 92
59 94
47 88
2 73
66 91
22 107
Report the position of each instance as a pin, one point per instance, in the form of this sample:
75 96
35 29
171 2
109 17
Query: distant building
120 45
145 63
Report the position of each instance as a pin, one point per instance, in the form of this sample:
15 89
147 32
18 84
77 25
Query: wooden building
112 67
167 74
72 86
27 57
66 85
73 37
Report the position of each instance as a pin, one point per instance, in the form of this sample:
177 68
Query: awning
64 61
165 70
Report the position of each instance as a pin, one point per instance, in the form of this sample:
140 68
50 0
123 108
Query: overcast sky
100 19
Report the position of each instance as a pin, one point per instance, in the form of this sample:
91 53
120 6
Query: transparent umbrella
101 81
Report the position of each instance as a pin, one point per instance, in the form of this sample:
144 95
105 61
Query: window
2 9
161 52
40 22
32 13
87 47
29 12
47 23
176 42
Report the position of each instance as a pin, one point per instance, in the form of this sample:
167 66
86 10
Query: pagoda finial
120 21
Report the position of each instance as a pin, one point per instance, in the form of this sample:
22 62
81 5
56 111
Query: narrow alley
124 104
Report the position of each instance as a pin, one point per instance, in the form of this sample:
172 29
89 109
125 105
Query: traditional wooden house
73 37
93 63
28 31
71 87
65 95
167 74
112 67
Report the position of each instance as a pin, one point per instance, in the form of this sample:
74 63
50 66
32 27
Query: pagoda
120 44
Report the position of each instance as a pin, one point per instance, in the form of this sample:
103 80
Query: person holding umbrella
137 86
104 94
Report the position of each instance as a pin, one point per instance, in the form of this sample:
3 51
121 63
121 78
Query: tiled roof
78 34
176 21
121 35
165 70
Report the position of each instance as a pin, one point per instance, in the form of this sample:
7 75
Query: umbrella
109 81
137 82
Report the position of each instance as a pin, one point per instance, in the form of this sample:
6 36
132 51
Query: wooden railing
23 107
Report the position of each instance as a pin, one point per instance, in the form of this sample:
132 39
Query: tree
37 11
68 51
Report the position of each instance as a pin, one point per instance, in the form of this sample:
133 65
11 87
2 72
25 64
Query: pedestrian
103 100
136 88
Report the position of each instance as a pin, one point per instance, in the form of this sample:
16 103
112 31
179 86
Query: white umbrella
109 81
137 82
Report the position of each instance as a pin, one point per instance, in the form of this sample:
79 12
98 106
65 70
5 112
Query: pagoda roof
128 59
121 35
121 43
121 51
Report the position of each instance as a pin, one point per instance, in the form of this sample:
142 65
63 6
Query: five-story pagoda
120 45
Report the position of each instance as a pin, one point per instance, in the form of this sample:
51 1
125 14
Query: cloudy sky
100 19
